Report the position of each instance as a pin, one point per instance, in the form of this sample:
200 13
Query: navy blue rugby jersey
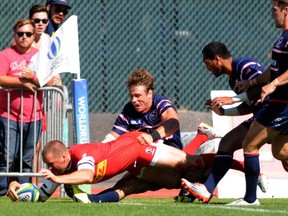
245 68
278 66
130 120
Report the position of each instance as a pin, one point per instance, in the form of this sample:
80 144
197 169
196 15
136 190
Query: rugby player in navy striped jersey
219 61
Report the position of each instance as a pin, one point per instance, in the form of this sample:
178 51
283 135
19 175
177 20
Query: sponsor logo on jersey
149 150
100 170
153 115
136 122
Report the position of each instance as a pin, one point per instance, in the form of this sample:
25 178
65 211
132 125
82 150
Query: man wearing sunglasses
39 15
57 10
27 109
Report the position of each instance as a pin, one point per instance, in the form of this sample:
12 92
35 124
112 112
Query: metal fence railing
54 126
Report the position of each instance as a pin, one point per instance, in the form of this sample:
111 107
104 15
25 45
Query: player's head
140 85
280 12
56 156
214 54
58 9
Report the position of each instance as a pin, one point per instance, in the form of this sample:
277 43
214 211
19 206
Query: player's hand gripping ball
28 192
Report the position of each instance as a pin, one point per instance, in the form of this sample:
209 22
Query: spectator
39 15
17 60
57 11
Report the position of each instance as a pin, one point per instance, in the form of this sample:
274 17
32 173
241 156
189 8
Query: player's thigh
232 141
166 178
280 147
169 157
256 137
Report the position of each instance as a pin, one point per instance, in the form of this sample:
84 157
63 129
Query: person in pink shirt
18 70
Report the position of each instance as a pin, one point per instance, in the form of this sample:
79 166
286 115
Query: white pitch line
244 208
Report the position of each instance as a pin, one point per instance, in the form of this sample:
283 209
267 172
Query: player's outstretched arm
13 186
83 176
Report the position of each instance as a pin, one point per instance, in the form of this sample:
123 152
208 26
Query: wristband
34 75
275 83
243 97
155 135
231 112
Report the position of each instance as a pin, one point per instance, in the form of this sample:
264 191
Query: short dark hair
281 3
215 48
36 9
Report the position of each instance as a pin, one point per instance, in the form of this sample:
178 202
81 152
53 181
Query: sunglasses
44 21
60 9
28 34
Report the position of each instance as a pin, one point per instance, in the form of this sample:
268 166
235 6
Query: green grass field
141 206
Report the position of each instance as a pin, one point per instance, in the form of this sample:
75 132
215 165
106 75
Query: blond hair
21 23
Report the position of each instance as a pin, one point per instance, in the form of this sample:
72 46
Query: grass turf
141 206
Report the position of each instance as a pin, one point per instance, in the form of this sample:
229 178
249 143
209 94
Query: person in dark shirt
57 11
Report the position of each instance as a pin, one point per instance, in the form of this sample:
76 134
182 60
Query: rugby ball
28 192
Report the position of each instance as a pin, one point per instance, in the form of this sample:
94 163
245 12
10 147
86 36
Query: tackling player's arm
170 124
